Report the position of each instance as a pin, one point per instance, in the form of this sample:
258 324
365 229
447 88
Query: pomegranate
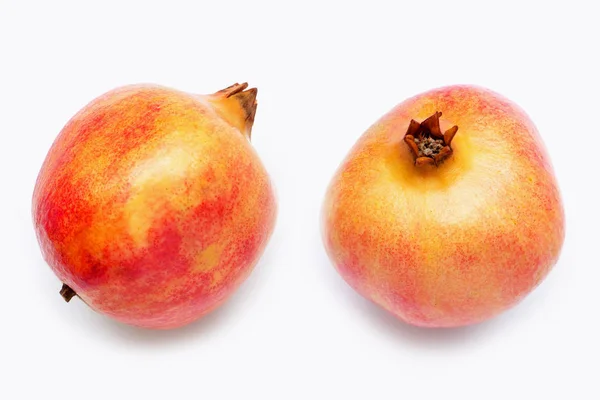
152 206
446 212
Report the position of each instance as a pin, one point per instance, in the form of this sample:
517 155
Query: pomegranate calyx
426 141
237 104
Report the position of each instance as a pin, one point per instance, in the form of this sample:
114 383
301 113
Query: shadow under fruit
152 206
446 212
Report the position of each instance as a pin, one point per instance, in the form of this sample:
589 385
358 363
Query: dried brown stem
67 293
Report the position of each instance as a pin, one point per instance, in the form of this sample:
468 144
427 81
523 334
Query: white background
325 72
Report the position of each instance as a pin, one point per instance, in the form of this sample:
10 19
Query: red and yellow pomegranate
446 212
152 206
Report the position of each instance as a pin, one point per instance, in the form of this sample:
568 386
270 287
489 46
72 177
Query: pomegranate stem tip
426 141
67 293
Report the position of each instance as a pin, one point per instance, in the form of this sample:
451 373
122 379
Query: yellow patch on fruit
208 258
158 183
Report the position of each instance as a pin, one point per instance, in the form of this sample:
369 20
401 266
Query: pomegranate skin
454 244
152 206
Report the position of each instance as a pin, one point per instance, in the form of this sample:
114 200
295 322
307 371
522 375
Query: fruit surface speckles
453 244
152 206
